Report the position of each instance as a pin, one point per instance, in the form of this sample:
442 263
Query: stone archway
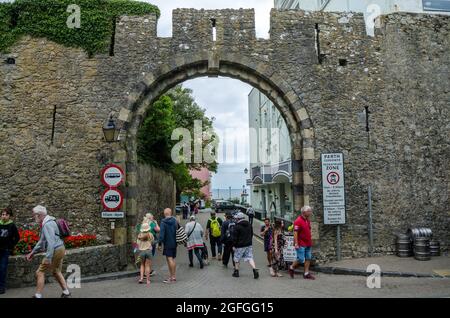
261 76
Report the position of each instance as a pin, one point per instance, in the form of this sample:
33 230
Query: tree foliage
176 109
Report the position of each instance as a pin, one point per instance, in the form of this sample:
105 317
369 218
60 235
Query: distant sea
224 194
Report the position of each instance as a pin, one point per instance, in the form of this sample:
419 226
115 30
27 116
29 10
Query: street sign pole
370 221
338 242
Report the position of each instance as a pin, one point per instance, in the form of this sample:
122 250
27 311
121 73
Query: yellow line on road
257 239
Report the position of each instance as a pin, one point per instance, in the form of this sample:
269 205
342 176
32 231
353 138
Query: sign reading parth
333 188
112 176
112 199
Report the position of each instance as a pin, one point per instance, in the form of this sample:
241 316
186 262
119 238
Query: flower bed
30 236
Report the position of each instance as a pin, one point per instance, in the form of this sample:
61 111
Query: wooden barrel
422 248
435 248
403 246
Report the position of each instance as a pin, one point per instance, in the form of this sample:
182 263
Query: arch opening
157 84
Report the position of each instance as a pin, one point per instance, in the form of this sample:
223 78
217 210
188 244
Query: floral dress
277 258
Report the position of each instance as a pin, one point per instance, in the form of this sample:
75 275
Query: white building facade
270 159
387 6
371 8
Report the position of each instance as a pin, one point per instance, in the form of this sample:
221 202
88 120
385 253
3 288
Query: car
223 205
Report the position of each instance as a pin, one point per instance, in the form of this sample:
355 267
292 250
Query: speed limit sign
112 199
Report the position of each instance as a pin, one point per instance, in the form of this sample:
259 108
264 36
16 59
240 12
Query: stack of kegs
435 248
420 237
403 245
422 249
419 232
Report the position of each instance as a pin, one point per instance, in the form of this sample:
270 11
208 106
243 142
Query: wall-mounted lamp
110 130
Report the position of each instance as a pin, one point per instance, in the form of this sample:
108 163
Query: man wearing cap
50 240
303 242
242 242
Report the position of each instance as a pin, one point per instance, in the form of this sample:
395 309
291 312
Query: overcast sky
223 98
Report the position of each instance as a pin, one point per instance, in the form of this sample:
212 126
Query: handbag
181 236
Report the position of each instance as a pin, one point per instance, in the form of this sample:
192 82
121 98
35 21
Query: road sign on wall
112 176
333 188
112 199
113 215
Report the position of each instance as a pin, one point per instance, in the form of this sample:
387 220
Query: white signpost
289 253
113 215
333 188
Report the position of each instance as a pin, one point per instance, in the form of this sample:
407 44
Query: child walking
144 243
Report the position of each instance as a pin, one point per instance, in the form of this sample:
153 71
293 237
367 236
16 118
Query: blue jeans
304 253
4 257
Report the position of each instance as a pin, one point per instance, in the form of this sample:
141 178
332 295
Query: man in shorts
242 242
303 242
55 251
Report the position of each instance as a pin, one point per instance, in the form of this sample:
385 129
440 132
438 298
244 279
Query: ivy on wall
48 18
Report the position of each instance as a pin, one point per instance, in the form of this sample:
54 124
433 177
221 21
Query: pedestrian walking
195 242
168 239
227 238
9 237
196 208
213 228
185 211
242 241
51 240
251 215
278 243
266 233
154 230
303 242
145 241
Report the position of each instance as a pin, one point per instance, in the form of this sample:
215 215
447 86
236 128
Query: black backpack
229 231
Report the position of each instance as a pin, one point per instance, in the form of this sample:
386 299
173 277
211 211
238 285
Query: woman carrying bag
195 242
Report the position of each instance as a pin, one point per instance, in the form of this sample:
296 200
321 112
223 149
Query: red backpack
63 227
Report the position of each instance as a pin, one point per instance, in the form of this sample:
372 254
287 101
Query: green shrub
47 18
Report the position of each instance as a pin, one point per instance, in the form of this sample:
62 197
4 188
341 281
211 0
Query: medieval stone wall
331 69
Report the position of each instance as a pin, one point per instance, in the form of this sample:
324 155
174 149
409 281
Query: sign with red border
333 186
112 176
112 199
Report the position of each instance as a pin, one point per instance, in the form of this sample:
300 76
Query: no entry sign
333 188
112 199
112 176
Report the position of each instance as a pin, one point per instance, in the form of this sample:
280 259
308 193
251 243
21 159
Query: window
436 5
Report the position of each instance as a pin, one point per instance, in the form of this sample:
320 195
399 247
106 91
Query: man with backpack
227 238
52 240
213 227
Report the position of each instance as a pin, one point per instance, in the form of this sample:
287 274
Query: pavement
390 265
215 281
